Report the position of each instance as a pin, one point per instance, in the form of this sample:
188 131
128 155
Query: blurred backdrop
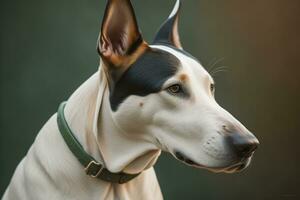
47 49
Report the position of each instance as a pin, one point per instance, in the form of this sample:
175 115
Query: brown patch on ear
125 61
183 77
120 42
175 34
114 70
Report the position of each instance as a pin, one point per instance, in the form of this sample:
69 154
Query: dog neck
90 118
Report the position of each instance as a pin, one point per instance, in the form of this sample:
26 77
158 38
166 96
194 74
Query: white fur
50 170
129 140
190 126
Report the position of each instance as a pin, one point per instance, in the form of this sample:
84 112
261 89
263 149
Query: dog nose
243 145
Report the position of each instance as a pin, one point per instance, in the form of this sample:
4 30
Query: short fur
143 100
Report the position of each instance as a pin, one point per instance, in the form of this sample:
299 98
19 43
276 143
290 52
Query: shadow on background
47 49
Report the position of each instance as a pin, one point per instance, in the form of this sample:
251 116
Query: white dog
103 143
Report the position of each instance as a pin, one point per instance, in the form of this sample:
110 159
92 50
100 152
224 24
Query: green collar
91 166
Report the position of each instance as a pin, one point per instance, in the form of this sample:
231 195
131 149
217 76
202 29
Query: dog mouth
234 168
187 160
239 166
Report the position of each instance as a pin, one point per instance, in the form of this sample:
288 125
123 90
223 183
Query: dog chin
234 168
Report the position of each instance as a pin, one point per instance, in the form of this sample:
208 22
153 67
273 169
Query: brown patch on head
141 104
183 77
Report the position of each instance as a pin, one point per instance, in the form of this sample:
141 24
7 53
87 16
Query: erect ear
168 32
120 42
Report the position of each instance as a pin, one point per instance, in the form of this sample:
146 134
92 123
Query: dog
144 99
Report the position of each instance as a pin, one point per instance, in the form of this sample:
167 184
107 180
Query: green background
47 49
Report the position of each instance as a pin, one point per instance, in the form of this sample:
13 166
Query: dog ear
120 42
168 32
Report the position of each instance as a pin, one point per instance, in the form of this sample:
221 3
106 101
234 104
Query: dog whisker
210 64
218 72
211 67
220 68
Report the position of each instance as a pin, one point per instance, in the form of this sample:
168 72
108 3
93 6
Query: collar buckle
93 169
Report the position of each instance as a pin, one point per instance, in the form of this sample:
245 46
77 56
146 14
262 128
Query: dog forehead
190 65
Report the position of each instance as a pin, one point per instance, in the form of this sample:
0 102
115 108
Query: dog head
162 95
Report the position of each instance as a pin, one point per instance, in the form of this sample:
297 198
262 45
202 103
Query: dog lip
241 167
236 166
179 156
186 159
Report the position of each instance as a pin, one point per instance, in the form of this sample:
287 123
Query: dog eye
212 87
175 89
